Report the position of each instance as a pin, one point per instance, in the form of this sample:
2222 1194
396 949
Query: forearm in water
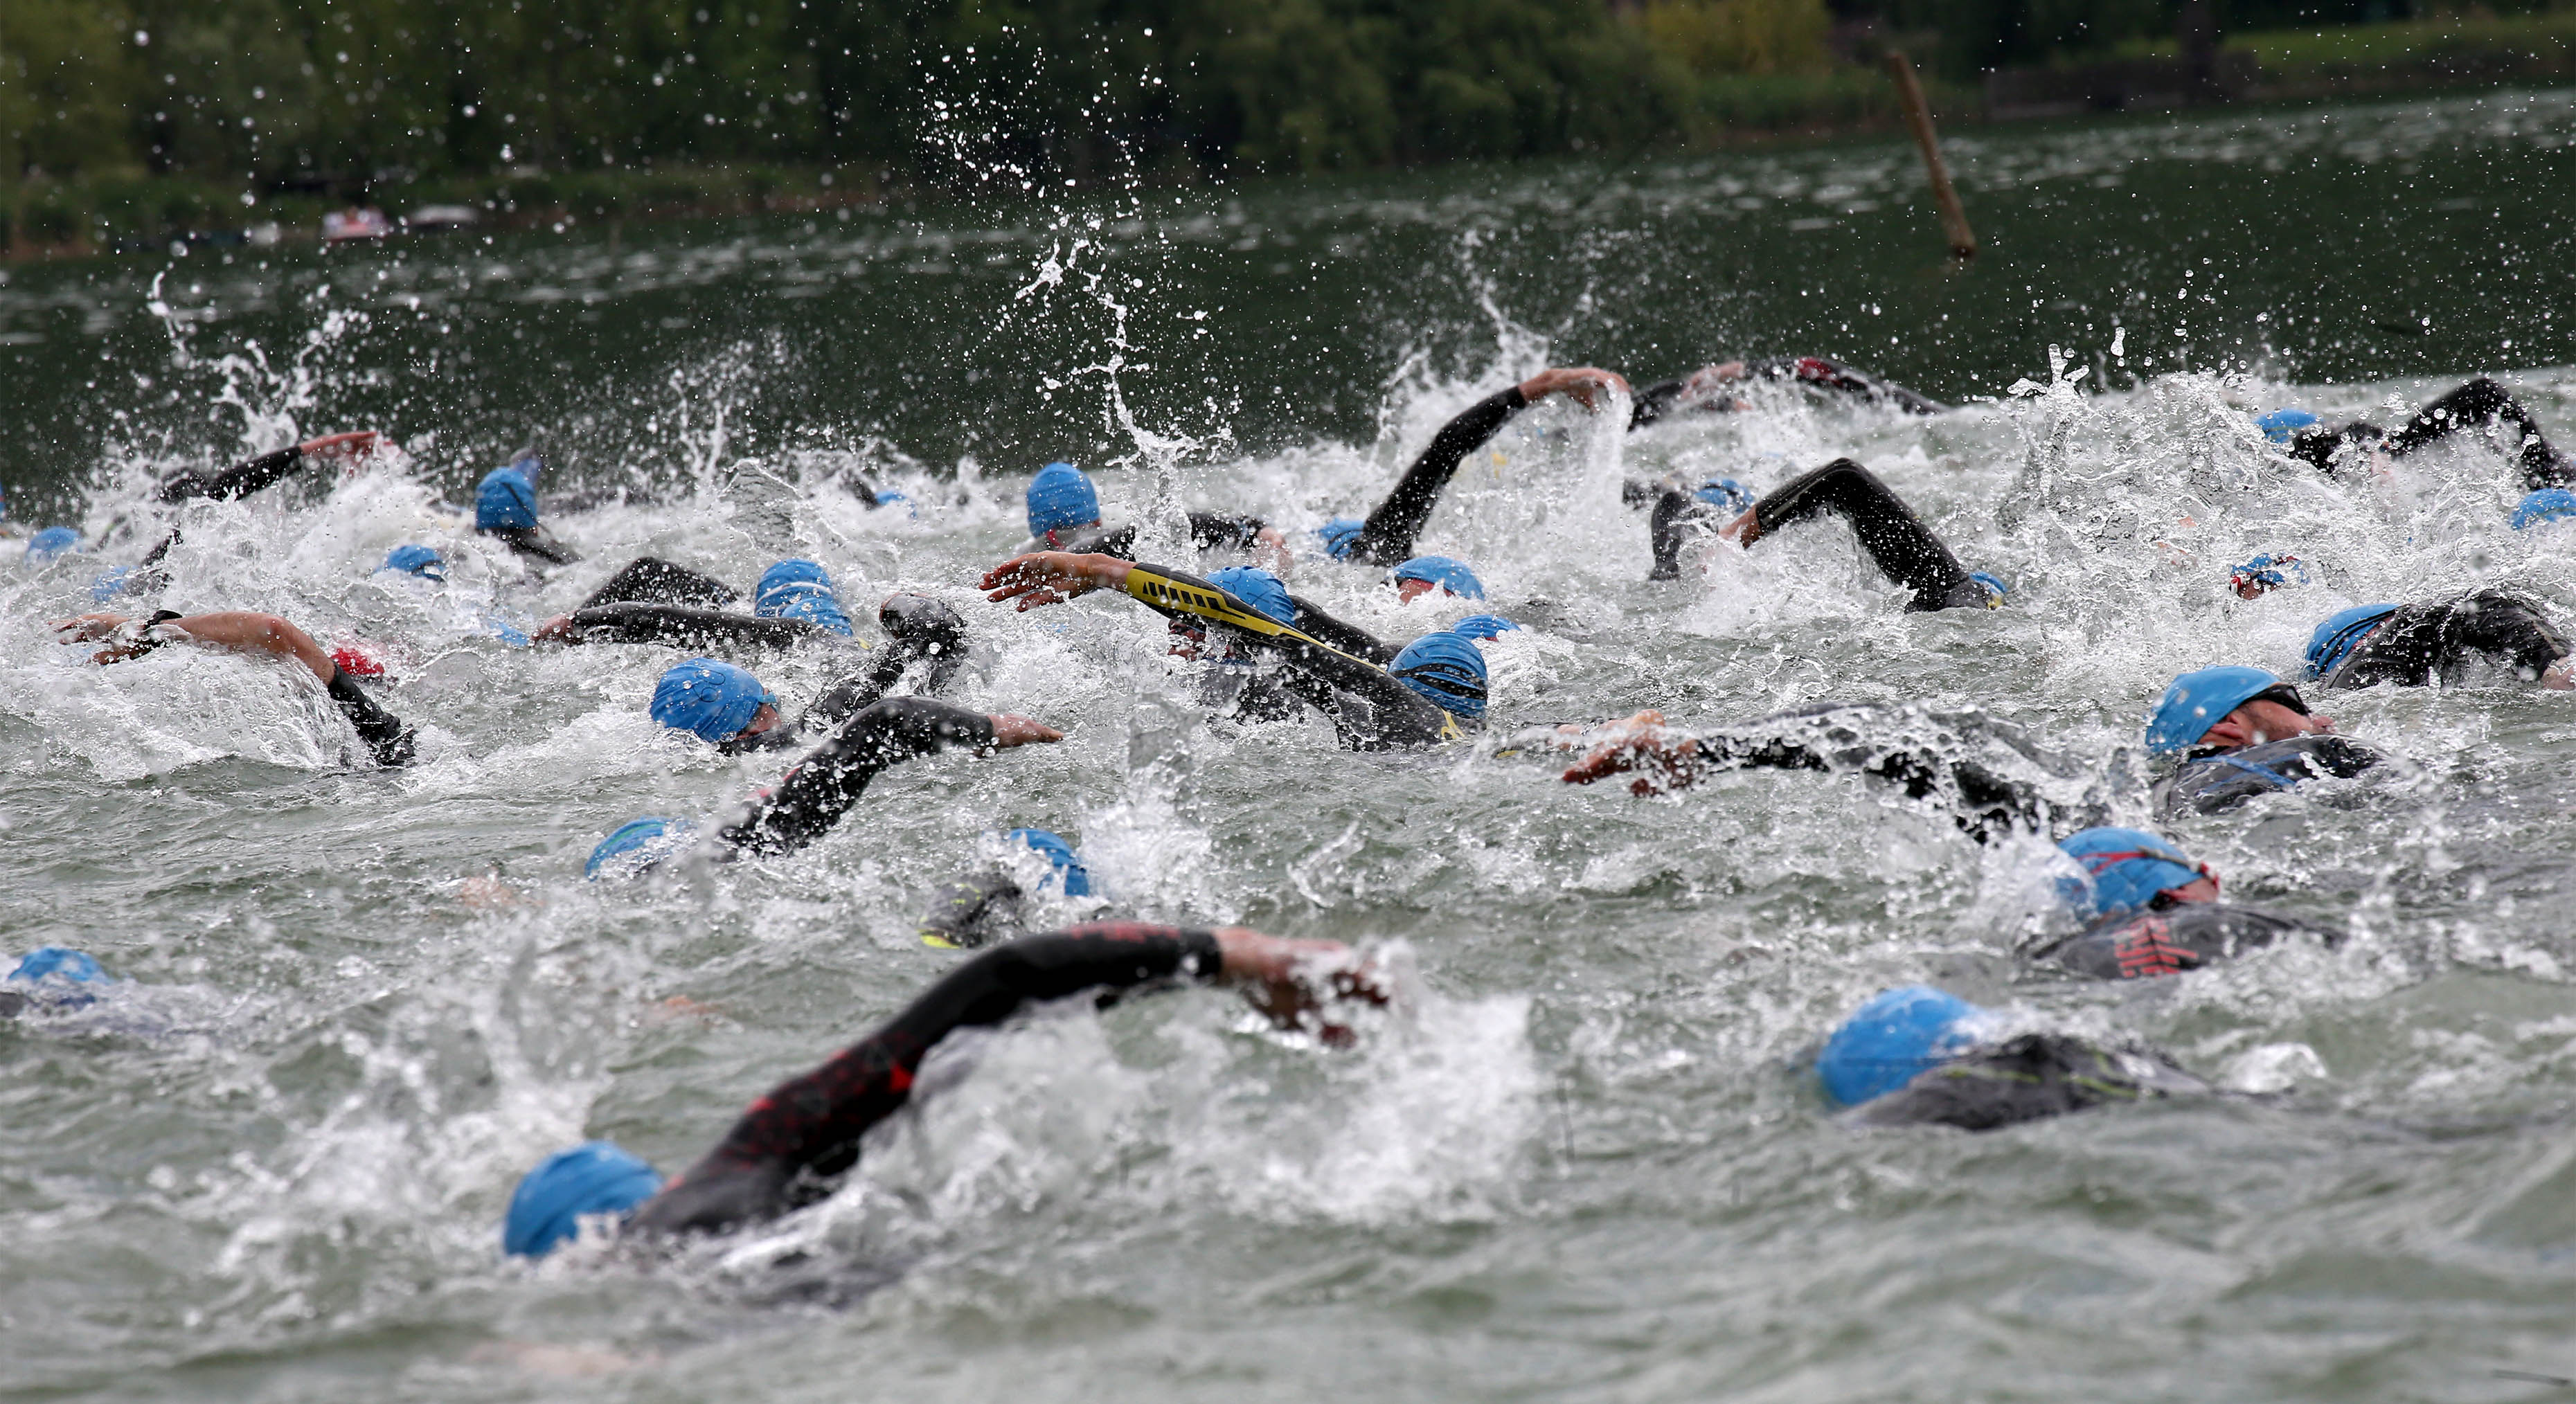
1387 537
1898 542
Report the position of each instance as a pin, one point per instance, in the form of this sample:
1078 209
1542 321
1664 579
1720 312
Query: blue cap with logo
1259 589
711 699
2341 633
2283 425
798 589
507 497
1724 492
1061 496
2127 868
2197 701
598 1177
2543 507
1447 669
415 560
1076 878
1896 1037
1447 573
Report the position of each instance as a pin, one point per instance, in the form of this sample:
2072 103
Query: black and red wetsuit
791 1144
1658 402
2481 404
2182 936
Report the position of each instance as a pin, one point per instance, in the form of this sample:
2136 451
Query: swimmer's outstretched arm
807 1130
685 625
812 797
243 479
1898 542
387 738
1387 537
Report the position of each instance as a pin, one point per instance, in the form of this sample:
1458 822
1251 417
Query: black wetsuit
2027 1079
1209 531
811 798
2442 640
651 580
2178 937
790 1147
534 542
1989 777
231 484
1658 402
2480 404
926 634
388 740
2211 781
1903 548
1371 709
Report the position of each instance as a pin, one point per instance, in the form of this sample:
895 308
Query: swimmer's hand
357 444
555 630
1010 729
1291 981
88 628
1587 386
1047 577
1667 759
1743 531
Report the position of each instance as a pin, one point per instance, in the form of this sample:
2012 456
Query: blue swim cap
1996 589
496 627
116 582
1448 574
1482 626
1340 536
1077 878
506 498
2542 507
2269 571
1061 496
2283 425
61 963
2197 701
714 700
1257 588
1891 1040
1724 492
2341 633
52 542
597 1177
2128 867
799 590
415 560
638 846
1447 669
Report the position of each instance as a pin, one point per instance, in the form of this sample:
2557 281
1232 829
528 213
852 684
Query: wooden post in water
1954 220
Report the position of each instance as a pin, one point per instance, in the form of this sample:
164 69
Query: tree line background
334 96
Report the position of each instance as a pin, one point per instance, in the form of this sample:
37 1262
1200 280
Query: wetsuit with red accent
2181 936
792 1144
2481 404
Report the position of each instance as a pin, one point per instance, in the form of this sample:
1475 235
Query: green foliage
1740 36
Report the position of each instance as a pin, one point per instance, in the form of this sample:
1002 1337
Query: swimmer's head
507 498
1726 494
1341 536
1259 589
1061 498
1996 589
1446 669
1482 626
116 582
60 963
2266 572
800 590
52 542
599 1177
2343 632
712 700
1423 574
2130 869
415 560
2199 703
1896 1037
2283 425
2543 507
1051 845
638 846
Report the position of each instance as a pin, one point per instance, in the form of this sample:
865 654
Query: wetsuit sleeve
1822 374
1986 804
807 1129
1333 633
1119 541
686 626
811 798
2483 404
1387 537
2511 631
1213 531
240 480
535 543
646 580
2187 936
1371 709
926 632
2437 641
1677 517
2031 1077
1655 403
2221 780
1903 548
388 740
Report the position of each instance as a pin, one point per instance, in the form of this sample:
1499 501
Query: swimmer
505 508
1387 536
793 1146
1711 389
1896 540
824 783
267 470
992 905
2266 573
387 739
2439 641
2241 733
1432 690
51 978
2481 404
1918 1056
1064 515
2150 911
654 601
725 704
2542 508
